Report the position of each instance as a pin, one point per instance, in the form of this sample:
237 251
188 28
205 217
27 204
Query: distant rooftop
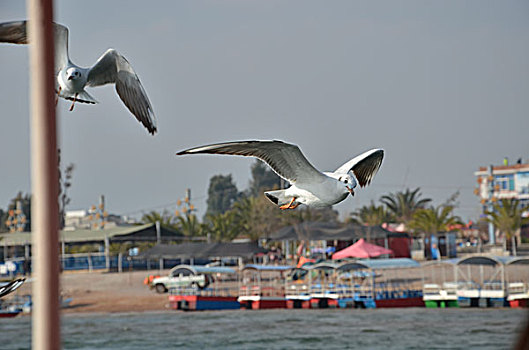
146 233
516 167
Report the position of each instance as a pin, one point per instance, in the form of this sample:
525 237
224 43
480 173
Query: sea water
407 328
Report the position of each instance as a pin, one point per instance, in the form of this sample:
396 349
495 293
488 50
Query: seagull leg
58 93
73 103
289 205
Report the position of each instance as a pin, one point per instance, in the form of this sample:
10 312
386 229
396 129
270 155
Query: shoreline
104 292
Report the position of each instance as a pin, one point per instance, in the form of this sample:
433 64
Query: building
504 181
17 247
89 219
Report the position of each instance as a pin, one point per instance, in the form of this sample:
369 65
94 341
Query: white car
182 276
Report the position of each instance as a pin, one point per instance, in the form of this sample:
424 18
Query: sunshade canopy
361 249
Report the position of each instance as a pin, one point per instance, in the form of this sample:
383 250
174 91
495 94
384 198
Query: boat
435 295
24 303
9 313
297 293
380 283
362 283
263 286
218 293
481 281
9 309
324 290
518 294
439 285
517 277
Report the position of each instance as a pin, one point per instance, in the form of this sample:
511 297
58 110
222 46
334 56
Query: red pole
44 177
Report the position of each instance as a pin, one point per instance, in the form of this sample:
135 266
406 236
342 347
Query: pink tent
361 249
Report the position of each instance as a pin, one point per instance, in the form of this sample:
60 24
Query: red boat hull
264 304
400 302
196 302
323 303
298 304
519 303
9 314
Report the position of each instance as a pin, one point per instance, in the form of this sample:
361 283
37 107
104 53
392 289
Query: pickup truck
181 276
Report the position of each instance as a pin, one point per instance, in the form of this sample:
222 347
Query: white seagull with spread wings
309 186
110 68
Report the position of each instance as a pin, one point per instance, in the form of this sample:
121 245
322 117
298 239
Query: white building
508 181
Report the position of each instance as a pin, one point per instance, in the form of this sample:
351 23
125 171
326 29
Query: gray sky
442 86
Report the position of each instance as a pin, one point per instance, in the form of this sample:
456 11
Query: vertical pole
188 196
120 263
490 208
158 233
102 212
63 250
44 177
107 253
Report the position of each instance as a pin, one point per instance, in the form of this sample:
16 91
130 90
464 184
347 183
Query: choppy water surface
415 328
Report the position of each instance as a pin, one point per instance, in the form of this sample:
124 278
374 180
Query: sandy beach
107 292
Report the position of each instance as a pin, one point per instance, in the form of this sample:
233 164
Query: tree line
234 214
245 214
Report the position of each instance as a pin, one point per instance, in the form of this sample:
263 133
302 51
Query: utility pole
98 215
188 200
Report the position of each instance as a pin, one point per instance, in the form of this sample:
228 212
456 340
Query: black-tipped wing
16 33
111 67
11 286
364 166
284 158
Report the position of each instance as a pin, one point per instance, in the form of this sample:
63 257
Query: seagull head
349 181
73 73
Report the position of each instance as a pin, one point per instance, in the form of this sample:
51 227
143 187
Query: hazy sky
442 86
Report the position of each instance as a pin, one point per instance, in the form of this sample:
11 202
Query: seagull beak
351 191
70 77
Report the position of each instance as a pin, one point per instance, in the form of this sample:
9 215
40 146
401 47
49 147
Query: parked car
182 276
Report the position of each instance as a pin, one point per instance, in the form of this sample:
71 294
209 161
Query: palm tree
189 225
402 205
222 227
506 216
371 215
431 221
164 218
257 217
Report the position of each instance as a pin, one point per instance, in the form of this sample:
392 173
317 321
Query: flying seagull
309 186
110 68
11 286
